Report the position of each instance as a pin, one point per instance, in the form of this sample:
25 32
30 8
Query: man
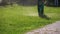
40 8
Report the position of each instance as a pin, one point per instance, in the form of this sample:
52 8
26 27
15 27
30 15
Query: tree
3 2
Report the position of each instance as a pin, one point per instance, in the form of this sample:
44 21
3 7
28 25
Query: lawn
20 19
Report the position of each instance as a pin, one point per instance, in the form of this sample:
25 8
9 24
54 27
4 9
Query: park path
49 29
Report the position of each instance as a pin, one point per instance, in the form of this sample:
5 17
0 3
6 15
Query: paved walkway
49 29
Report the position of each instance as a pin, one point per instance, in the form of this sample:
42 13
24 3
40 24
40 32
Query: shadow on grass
45 17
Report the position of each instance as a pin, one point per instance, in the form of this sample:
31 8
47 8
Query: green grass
14 21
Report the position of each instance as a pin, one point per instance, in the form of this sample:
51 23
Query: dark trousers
41 9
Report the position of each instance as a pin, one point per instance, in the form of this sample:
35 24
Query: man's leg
41 9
